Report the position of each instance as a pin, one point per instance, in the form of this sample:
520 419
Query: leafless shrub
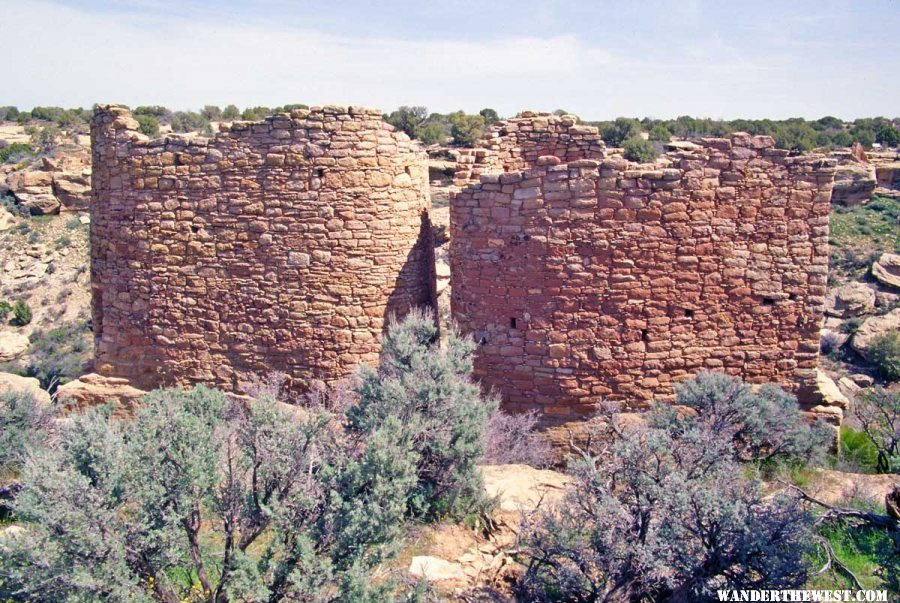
511 438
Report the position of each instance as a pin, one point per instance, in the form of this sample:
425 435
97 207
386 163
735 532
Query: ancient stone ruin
586 278
285 244
281 246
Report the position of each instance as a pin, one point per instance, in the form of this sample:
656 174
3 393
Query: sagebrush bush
427 389
23 425
884 354
512 438
202 498
663 511
763 425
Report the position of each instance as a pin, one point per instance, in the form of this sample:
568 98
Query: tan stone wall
278 245
604 279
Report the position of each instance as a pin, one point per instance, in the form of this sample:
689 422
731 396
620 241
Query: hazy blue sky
598 59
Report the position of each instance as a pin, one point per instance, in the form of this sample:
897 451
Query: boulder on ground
862 380
853 184
7 220
435 569
887 269
848 387
872 328
12 345
831 395
24 385
522 487
852 299
72 190
38 203
93 390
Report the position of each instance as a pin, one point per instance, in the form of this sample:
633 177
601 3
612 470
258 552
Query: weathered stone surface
852 299
12 345
888 174
435 569
25 385
853 184
442 273
7 220
93 390
831 394
872 328
72 190
39 204
887 269
862 380
595 279
848 387
281 245
523 488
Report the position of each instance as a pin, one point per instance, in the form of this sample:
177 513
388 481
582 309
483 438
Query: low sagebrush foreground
205 497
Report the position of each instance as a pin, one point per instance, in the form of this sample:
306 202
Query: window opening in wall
768 301
688 313
320 172
512 323
644 336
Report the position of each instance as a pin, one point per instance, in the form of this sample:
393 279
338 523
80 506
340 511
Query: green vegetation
859 234
884 354
206 497
866 551
640 150
444 418
16 152
5 309
149 125
664 512
878 411
56 355
21 313
858 452
466 129
622 129
22 424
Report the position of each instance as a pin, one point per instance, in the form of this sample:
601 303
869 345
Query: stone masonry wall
601 279
281 245
517 143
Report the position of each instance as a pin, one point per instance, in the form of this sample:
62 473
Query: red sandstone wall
517 143
604 279
279 245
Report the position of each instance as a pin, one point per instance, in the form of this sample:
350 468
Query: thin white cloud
61 55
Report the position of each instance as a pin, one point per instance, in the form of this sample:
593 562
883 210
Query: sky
598 59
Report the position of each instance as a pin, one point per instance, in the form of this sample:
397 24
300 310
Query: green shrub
443 417
148 125
664 513
5 309
432 133
640 150
16 152
466 129
617 132
23 422
884 354
73 223
858 450
659 133
878 411
202 498
230 113
21 313
59 355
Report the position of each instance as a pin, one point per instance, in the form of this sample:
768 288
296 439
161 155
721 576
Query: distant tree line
644 137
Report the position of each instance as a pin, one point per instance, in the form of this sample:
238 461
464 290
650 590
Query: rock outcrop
887 269
12 345
24 385
872 328
94 390
853 184
852 299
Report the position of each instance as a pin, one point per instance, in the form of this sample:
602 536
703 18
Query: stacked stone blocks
282 245
586 279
